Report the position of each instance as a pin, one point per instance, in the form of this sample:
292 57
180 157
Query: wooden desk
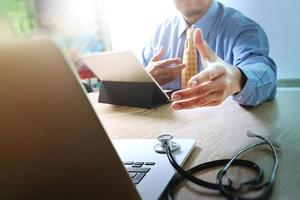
220 132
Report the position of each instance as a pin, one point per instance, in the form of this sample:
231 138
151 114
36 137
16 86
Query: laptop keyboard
138 170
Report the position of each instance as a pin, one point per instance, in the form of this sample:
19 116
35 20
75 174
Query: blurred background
87 26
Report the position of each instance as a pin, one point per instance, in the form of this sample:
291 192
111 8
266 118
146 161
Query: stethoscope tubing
226 190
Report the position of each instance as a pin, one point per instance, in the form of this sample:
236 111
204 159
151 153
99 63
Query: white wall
131 23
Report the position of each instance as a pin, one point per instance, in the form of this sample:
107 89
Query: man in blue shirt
234 54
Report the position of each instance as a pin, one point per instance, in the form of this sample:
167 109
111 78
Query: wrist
238 80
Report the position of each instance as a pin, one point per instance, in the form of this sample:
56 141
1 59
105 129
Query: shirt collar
205 22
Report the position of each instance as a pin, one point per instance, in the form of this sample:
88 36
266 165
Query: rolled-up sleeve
251 56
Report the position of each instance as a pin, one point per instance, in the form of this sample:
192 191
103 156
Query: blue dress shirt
235 38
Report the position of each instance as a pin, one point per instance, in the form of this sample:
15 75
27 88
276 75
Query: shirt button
239 98
257 102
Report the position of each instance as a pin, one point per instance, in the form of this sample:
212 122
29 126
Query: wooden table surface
220 132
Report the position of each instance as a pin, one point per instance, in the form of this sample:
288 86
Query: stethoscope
242 191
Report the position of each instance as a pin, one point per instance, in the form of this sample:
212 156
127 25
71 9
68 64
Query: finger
213 98
172 72
201 90
207 55
176 70
164 75
158 55
208 74
213 103
167 77
167 62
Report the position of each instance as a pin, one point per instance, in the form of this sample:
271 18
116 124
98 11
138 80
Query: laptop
125 81
52 143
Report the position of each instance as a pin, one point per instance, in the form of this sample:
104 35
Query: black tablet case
135 94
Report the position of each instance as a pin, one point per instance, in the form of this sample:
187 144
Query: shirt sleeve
154 45
150 49
147 54
251 56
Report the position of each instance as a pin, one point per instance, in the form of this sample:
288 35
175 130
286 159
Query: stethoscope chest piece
166 139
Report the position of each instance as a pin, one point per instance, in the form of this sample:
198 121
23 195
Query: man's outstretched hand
211 86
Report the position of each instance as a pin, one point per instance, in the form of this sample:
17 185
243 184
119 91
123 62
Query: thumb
207 55
158 55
